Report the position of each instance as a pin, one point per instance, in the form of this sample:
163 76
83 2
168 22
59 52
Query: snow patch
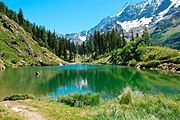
82 38
145 6
127 25
161 14
120 12
177 4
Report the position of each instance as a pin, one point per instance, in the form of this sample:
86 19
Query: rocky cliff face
18 49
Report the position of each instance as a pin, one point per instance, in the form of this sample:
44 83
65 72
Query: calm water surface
106 80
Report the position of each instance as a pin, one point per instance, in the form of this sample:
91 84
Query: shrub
19 97
132 63
126 96
80 100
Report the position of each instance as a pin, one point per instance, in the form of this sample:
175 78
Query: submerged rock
37 73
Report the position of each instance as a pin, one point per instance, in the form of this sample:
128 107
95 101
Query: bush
19 97
126 96
132 63
80 100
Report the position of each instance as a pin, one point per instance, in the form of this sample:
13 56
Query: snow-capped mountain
134 17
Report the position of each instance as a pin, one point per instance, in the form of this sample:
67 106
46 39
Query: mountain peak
120 12
135 16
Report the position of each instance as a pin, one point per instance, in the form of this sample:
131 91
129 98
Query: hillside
163 58
18 49
167 32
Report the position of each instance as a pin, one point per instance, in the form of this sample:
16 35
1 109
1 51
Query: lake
109 81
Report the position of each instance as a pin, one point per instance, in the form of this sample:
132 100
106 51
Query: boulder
8 26
2 67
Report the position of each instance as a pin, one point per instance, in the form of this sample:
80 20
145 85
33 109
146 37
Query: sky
67 16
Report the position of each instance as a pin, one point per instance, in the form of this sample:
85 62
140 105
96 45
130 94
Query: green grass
18 49
54 110
80 100
168 38
160 53
130 106
155 56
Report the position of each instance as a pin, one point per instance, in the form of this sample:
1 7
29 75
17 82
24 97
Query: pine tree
2 7
132 35
64 50
71 52
21 17
137 35
124 42
145 35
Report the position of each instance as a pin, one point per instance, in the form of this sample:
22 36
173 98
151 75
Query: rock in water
37 73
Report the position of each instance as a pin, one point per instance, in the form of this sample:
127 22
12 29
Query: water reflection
106 80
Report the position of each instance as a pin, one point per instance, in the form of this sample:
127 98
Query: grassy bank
162 58
131 105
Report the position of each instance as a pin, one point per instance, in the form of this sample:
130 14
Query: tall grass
80 100
146 107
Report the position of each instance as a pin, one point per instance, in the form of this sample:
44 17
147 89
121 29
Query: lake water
109 81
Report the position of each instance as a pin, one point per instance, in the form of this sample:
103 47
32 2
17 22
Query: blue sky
67 16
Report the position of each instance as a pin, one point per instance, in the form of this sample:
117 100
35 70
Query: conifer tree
132 35
145 35
123 38
2 7
21 17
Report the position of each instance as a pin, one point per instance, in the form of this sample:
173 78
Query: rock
37 73
21 63
13 37
2 67
138 67
8 26
173 69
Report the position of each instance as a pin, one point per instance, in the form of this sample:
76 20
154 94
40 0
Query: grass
18 49
54 110
160 53
131 105
80 100
157 56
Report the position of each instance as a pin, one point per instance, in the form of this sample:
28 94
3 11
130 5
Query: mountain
18 49
149 13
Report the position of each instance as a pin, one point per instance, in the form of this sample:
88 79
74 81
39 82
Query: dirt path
27 112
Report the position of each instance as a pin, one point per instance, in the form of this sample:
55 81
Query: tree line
100 43
122 52
133 51
60 46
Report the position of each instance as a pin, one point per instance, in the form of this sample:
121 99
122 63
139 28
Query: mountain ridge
134 17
